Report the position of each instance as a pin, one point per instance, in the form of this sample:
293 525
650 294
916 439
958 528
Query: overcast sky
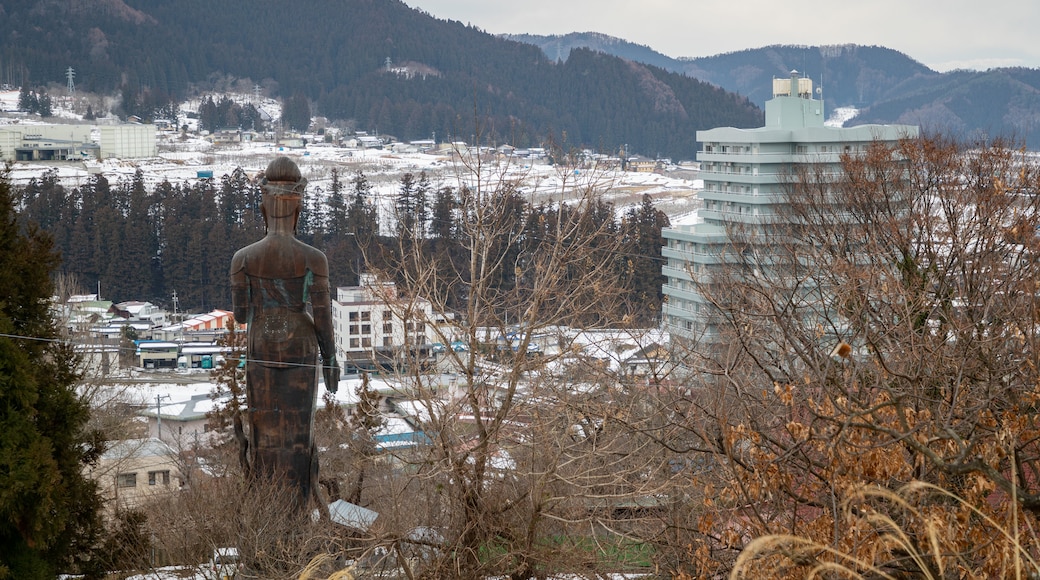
942 34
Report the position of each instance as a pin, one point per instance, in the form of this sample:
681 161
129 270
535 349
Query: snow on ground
840 116
8 100
175 388
182 158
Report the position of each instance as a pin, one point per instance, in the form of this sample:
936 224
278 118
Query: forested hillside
377 64
886 85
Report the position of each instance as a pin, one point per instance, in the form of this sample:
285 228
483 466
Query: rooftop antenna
819 93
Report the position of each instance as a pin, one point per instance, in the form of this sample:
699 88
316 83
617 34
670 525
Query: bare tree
255 517
881 331
526 465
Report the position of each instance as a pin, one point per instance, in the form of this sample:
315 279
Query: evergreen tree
361 215
296 112
337 208
209 119
641 264
26 99
445 206
48 509
405 207
422 203
43 105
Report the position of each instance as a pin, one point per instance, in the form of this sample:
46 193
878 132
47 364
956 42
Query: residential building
378 331
181 421
209 327
133 471
744 173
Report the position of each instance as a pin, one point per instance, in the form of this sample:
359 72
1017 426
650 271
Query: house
84 314
640 164
200 355
157 354
744 173
133 471
182 422
208 327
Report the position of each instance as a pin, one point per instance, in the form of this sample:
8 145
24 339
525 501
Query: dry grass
916 544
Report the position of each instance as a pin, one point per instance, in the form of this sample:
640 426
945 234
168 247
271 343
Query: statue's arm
239 288
321 306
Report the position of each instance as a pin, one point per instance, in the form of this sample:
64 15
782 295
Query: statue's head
283 187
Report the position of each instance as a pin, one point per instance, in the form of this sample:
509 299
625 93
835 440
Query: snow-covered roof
137 448
351 515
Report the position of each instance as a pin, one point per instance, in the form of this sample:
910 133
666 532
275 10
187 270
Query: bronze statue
280 289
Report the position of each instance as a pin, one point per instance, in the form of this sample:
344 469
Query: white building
745 173
128 141
73 142
376 330
134 471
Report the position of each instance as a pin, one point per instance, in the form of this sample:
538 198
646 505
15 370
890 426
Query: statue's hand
331 373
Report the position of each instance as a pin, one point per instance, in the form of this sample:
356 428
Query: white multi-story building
745 172
377 331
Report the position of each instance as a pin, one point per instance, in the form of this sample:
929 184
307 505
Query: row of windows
719 148
800 149
366 315
388 328
366 341
154 478
727 187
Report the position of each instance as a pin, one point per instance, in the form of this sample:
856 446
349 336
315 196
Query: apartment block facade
745 173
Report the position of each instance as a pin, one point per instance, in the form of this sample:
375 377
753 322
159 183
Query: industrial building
76 142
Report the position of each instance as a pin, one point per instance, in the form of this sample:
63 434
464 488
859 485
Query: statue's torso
279 273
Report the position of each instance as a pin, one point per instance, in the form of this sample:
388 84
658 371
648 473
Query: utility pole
158 415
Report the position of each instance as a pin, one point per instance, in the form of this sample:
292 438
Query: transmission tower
71 74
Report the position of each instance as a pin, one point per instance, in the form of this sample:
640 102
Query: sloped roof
138 448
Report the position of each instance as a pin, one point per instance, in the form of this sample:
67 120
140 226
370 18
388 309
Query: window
366 342
159 477
386 342
353 316
126 480
388 328
353 329
387 315
354 343
366 329
366 315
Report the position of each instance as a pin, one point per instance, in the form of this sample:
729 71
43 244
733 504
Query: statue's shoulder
315 259
240 260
